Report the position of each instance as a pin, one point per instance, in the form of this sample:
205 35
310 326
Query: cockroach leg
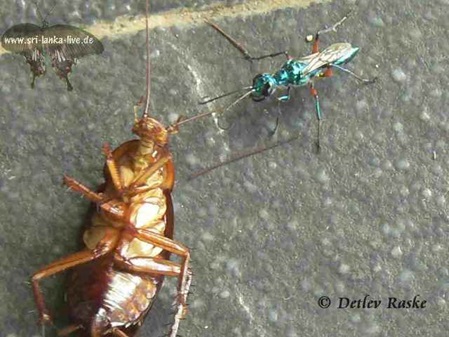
113 170
155 265
80 188
160 266
180 250
166 267
57 267
182 305
150 170
68 330
118 333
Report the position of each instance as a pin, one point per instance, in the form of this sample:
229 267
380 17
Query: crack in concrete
126 25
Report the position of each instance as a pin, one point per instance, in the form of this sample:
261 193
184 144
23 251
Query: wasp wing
326 57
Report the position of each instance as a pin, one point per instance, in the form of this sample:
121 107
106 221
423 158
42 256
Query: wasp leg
364 80
245 53
314 93
103 247
328 72
283 98
286 97
315 47
80 188
287 55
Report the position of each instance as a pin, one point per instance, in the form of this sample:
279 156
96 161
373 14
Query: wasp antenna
225 95
148 69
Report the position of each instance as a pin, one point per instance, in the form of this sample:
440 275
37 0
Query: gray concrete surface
272 233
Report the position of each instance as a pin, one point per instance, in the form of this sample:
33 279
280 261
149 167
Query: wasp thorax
263 86
150 129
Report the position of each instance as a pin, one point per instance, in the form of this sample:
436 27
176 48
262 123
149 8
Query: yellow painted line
126 25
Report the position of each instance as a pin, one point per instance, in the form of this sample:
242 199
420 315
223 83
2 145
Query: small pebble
398 75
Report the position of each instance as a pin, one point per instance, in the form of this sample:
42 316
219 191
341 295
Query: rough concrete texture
272 233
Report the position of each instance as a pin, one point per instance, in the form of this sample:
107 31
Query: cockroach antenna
147 29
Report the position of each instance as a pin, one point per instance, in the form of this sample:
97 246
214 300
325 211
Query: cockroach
116 277
64 45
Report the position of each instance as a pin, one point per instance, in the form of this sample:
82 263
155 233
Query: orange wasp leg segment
106 245
328 72
315 46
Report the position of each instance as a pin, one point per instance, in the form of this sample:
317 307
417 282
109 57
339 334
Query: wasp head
263 86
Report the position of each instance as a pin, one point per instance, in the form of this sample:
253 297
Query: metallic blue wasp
296 72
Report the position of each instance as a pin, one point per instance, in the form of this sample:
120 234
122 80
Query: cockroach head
148 128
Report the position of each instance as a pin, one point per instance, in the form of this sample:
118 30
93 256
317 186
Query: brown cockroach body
117 276
114 280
